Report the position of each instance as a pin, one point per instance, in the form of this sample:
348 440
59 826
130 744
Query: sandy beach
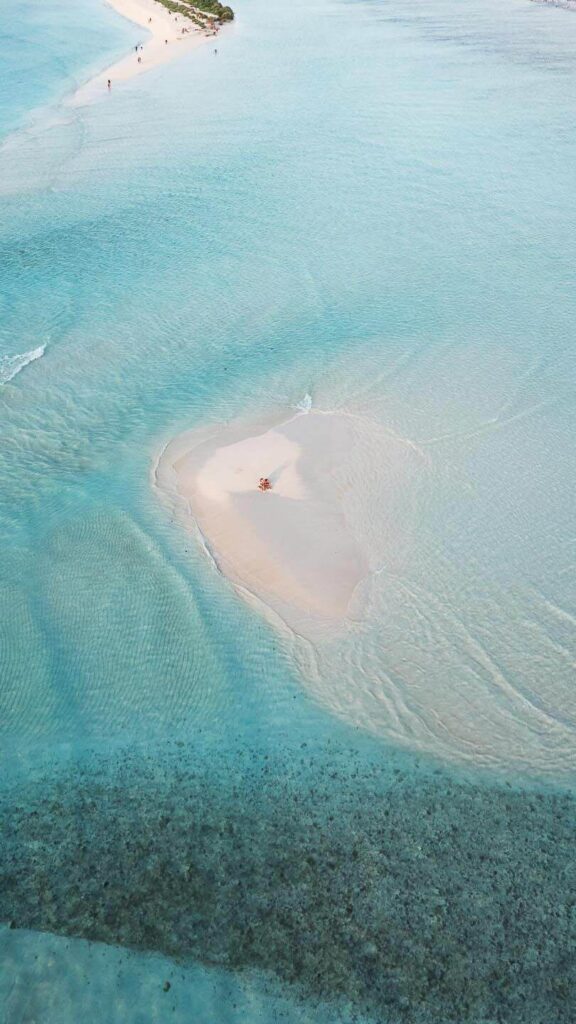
338 510
291 546
158 25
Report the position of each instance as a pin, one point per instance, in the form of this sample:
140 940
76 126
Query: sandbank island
304 545
171 30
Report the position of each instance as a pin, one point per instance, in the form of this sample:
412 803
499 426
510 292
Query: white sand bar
292 546
159 25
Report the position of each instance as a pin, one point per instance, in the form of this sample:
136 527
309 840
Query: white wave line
11 365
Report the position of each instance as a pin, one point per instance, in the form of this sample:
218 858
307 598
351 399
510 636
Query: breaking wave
305 404
11 365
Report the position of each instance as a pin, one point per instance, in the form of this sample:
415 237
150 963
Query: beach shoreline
163 42
291 549
304 547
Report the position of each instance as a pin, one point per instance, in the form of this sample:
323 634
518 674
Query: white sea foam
11 365
378 626
305 404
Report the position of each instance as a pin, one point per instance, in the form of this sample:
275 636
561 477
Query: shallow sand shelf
166 37
304 546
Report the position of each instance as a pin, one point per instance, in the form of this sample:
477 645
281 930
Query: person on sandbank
264 484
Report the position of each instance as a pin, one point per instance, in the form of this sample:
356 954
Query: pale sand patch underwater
340 557
300 547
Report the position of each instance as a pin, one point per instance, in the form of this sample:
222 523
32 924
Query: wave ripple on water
12 365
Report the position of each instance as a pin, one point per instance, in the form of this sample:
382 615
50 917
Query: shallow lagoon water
367 203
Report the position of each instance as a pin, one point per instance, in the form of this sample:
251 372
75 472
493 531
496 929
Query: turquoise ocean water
371 203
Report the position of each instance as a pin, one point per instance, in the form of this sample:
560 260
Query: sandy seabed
340 557
301 548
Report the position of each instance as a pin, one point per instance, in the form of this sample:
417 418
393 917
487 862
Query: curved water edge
162 30
10 366
203 242
389 891
308 463
305 404
349 662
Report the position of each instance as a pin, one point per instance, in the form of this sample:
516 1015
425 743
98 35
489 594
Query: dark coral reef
409 894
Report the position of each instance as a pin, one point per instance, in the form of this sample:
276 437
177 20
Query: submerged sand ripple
391 630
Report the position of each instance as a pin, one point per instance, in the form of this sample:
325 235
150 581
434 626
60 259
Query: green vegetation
204 13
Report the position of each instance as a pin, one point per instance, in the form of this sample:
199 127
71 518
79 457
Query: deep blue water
371 203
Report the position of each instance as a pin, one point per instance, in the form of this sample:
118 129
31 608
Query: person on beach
139 60
109 84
